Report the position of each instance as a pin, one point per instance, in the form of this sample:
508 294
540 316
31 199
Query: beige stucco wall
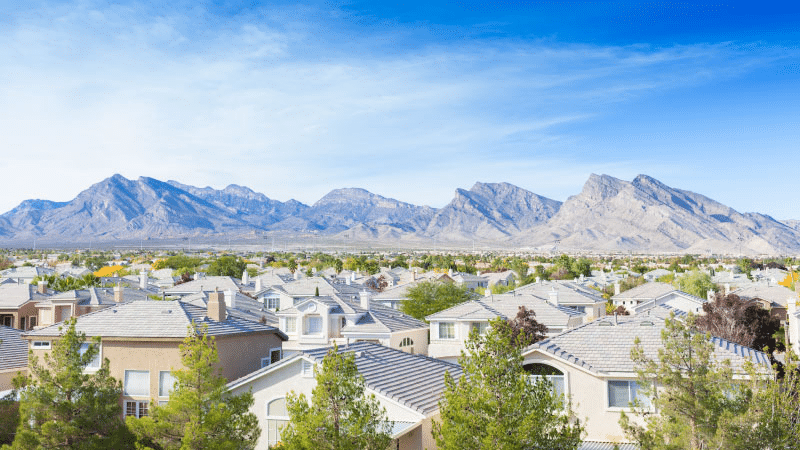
589 396
240 355
26 310
419 336
287 378
7 376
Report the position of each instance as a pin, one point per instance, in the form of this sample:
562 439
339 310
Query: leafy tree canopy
227 266
696 283
429 297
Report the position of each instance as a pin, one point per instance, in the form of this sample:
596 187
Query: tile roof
381 319
14 295
597 445
568 292
647 291
243 307
777 295
205 284
602 347
415 381
13 348
506 306
154 319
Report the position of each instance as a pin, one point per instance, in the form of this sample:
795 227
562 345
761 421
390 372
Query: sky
408 100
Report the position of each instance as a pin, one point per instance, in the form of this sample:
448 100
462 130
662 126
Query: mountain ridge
608 214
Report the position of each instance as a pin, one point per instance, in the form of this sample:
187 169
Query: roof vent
604 324
646 324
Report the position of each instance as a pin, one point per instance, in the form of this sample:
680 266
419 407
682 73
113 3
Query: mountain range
608 214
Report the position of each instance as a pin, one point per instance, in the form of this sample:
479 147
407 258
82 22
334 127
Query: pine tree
64 406
340 416
494 405
200 413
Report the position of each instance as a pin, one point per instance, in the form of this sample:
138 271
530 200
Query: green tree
341 416
227 266
430 297
694 391
200 413
9 419
63 405
338 265
292 265
696 283
495 405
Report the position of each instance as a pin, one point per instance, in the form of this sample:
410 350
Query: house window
41 345
136 408
314 325
137 383
32 322
275 355
308 369
290 325
272 303
166 383
447 330
344 322
406 342
94 364
6 320
277 418
622 393
22 323
556 381
481 327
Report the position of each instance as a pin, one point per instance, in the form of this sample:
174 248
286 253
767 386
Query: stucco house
568 294
408 386
320 321
141 341
591 365
18 303
649 295
63 305
450 329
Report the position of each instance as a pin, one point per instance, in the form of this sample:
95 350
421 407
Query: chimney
478 273
352 276
348 281
118 293
245 278
258 284
230 298
710 295
414 276
538 280
616 322
365 299
216 306
616 288
196 276
297 274
450 272
582 277
143 280
727 288
553 296
42 287
488 292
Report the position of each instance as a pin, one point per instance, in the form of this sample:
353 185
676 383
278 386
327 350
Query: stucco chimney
118 297
258 284
143 280
216 306
538 280
352 276
365 298
553 296
297 274
710 295
616 288
245 277
42 287
488 292
348 281
727 288
414 276
450 272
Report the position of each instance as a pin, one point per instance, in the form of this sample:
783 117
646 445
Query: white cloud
90 91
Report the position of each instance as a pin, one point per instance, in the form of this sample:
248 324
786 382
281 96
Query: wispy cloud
267 99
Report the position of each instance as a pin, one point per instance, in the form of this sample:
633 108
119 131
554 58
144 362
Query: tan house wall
419 336
240 355
7 377
26 310
589 396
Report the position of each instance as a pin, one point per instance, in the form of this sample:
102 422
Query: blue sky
409 101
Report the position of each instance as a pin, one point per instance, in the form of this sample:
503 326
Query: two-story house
568 294
450 329
141 340
18 303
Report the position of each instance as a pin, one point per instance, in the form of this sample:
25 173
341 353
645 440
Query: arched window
406 342
540 371
277 418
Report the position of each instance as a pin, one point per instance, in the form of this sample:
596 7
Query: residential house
18 304
204 284
504 278
141 340
319 321
591 366
408 386
14 360
25 274
450 329
568 294
771 296
471 282
648 295
61 306
238 305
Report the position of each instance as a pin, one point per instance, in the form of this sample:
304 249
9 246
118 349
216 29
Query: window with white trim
137 383
136 408
166 383
272 303
40 345
94 364
314 325
406 342
290 325
277 418
622 393
447 330
481 327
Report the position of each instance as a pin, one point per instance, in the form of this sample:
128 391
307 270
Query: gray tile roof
777 295
154 319
506 306
96 296
568 292
205 284
243 307
647 291
415 381
596 445
13 349
381 319
14 295
602 347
